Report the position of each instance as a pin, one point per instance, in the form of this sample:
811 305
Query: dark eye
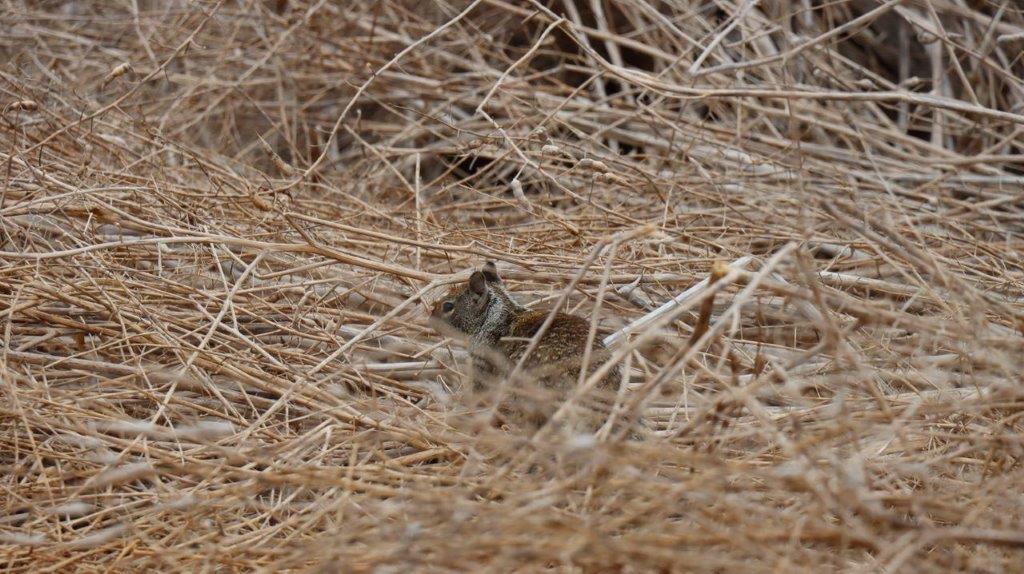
447 306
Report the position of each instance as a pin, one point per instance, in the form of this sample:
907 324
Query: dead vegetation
223 222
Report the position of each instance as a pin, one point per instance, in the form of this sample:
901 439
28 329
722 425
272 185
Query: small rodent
500 330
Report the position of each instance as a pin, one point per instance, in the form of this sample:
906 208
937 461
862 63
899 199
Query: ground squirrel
500 330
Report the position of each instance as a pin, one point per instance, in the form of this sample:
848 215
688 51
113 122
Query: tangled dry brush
223 223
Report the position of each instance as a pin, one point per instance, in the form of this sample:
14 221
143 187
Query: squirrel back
483 309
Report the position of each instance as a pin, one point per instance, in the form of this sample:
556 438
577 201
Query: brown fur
499 332
562 346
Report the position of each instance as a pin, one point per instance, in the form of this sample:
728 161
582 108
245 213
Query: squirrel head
469 306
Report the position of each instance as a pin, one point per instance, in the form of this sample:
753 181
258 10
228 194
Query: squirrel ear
478 282
490 272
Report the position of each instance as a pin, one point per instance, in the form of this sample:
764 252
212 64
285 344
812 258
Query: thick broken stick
668 306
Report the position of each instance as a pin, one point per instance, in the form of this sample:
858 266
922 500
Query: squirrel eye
447 306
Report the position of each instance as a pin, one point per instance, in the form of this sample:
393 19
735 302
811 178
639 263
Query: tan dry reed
223 221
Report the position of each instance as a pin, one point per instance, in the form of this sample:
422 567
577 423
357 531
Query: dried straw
223 223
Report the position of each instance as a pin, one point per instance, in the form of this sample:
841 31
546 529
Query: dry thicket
224 222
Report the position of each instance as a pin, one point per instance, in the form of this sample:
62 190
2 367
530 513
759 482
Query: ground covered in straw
224 224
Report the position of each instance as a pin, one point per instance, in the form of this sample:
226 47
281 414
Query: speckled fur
497 325
560 349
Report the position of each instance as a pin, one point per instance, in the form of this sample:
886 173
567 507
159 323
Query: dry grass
223 223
